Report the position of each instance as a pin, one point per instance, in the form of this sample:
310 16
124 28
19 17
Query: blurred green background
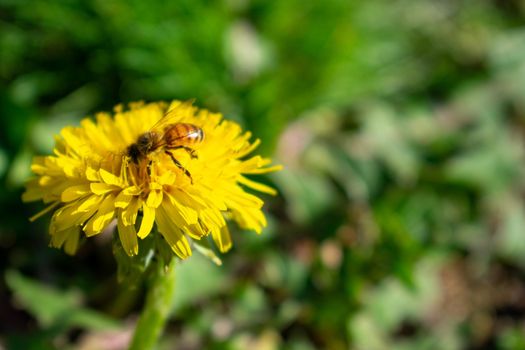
401 215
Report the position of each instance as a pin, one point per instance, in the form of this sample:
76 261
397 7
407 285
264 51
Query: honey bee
167 135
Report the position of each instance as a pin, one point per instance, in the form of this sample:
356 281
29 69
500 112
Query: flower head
188 184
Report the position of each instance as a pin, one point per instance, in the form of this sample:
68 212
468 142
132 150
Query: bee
167 136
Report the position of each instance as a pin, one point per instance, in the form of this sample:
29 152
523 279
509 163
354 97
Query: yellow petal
101 188
222 238
173 235
188 214
129 214
132 191
250 218
235 196
104 215
148 218
59 237
38 165
189 198
122 200
155 186
167 178
249 149
92 175
173 213
253 163
109 178
257 186
71 244
265 170
45 181
128 236
69 216
154 199
210 196
33 191
74 192
88 204
212 217
195 231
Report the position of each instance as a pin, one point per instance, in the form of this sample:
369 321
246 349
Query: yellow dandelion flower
176 167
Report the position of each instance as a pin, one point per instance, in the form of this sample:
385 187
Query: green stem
156 311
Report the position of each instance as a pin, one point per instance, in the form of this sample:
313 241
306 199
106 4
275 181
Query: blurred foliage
401 125
56 312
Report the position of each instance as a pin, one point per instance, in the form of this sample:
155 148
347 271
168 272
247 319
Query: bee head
134 152
145 142
142 147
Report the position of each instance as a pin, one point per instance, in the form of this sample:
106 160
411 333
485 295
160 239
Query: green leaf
512 339
308 194
509 241
197 278
55 309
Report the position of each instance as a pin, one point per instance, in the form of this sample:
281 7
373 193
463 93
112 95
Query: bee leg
148 167
179 165
190 151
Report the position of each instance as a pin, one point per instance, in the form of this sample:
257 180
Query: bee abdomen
183 133
200 135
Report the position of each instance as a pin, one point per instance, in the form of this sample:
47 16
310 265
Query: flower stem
156 311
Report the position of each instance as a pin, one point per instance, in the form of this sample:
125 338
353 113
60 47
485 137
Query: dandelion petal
127 236
173 235
148 219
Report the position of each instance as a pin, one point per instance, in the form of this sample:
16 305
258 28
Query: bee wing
175 113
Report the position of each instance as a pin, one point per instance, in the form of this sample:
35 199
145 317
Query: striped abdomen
182 134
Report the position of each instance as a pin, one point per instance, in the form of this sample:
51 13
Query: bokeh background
400 222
